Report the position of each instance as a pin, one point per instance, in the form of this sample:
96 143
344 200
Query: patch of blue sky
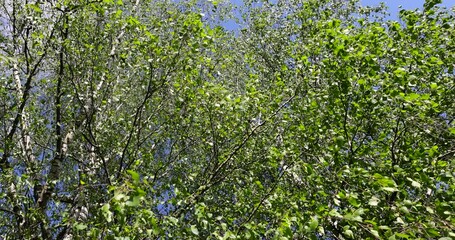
394 7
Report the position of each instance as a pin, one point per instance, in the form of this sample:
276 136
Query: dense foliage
314 119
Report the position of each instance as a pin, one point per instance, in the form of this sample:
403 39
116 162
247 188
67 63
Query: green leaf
414 183
214 2
136 201
335 213
374 201
314 223
400 72
353 201
173 220
375 233
433 232
384 227
348 233
106 207
429 4
134 175
412 97
351 217
80 226
402 235
400 221
106 212
434 86
390 189
194 230
119 196
35 7
404 210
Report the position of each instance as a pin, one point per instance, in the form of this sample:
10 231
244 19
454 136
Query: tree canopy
147 119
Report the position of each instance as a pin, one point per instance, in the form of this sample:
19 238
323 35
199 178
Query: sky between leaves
394 7
406 4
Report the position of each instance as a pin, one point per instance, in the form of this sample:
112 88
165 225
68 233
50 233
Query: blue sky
407 4
392 4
